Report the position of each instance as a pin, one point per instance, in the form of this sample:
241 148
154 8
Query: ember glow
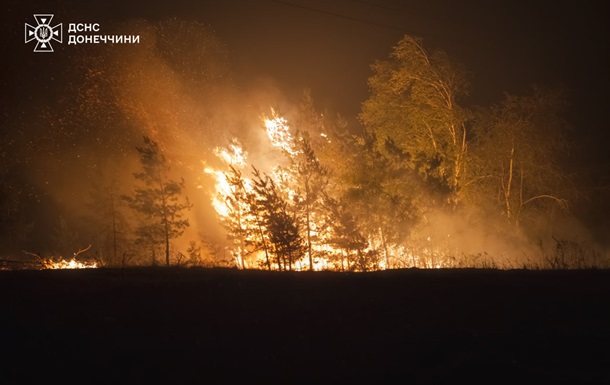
236 201
225 189
234 155
68 264
35 261
279 134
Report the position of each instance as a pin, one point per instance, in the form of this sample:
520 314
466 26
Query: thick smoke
175 87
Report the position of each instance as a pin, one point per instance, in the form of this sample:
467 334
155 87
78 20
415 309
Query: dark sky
328 46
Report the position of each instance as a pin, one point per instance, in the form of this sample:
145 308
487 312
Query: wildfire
37 262
278 131
234 155
235 201
71 264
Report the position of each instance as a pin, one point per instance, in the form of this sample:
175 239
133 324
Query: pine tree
280 222
312 180
159 200
240 221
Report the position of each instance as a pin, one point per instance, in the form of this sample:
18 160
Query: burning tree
241 220
159 201
347 238
311 180
305 178
280 222
384 192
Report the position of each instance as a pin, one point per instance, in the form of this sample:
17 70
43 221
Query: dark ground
177 326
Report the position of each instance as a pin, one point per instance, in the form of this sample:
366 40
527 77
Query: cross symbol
43 33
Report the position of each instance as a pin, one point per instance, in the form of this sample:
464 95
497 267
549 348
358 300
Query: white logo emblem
43 33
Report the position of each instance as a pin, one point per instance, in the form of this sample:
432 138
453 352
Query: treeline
429 181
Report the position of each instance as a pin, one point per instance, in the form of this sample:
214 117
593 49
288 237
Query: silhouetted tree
385 192
311 179
159 200
280 223
517 154
241 220
346 236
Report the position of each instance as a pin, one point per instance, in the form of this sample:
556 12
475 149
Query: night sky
328 46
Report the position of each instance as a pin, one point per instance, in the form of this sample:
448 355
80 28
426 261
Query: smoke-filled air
156 155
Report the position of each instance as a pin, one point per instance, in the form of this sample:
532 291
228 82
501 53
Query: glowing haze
76 158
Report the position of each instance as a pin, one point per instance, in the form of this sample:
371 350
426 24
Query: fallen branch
81 251
32 254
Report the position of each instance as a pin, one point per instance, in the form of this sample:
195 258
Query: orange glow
234 155
71 264
278 131
249 231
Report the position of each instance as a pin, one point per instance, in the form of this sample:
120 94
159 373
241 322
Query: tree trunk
309 241
242 250
518 216
165 220
114 248
279 260
307 197
385 248
508 187
166 243
267 261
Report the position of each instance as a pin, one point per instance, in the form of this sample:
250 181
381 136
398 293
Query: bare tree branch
562 202
81 251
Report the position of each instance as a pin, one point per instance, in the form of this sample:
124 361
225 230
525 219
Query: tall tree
384 191
159 200
279 220
241 219
347 237
304 177
414 102
518 152
312 178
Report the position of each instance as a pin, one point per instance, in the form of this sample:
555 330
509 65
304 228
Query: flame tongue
278 131
71 264
228 207
234 155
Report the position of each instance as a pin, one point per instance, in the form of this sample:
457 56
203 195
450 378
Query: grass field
174 326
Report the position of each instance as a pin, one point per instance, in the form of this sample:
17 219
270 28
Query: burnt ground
174 326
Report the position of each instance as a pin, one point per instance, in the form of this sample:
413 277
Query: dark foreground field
176 326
